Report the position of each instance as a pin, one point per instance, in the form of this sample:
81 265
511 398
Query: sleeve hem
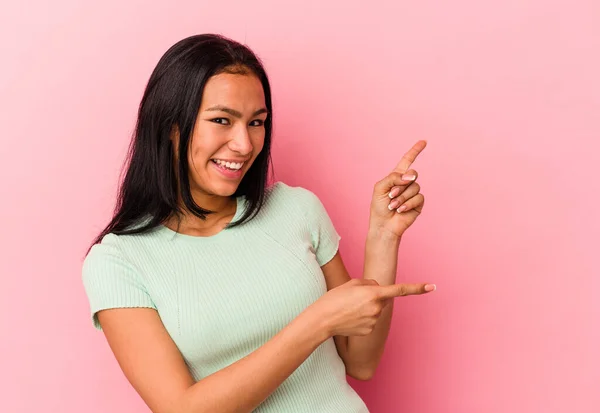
95 312
326 257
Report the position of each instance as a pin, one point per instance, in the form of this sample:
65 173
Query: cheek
198 156
258 142
206 140
203 147
195 156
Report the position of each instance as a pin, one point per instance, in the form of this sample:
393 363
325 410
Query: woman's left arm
361 354
396 204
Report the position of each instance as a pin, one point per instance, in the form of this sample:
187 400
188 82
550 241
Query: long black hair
149 192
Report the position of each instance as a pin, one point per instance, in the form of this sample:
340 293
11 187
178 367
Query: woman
216 293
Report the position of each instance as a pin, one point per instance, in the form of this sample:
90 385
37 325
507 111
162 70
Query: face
228 135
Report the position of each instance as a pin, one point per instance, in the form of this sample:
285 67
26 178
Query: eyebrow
234 112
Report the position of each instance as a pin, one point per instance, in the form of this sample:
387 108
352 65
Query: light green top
222 297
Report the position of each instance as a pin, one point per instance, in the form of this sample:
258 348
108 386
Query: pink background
507 94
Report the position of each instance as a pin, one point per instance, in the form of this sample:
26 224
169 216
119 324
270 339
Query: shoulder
106 256
295 202
310 214
126 246
109 245
281 193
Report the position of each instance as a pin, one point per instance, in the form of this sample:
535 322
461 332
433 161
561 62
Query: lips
227 172
232 165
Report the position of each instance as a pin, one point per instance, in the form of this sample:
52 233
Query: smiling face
228 135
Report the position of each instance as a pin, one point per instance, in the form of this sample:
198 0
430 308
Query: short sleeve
324 237
110 281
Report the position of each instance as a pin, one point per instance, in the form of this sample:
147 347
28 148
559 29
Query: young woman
218 294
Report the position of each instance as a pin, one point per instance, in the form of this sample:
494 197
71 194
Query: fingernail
394 192
402 208
430 287
393 205
409 177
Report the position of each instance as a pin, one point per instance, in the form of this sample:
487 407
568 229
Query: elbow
362 374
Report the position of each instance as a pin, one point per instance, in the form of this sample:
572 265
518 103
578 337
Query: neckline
173 235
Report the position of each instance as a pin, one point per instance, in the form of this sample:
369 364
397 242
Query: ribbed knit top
222 297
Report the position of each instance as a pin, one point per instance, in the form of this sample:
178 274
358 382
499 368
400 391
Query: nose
241 142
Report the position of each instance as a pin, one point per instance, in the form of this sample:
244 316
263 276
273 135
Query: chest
220 302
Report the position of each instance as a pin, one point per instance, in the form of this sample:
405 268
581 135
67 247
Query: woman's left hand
397 199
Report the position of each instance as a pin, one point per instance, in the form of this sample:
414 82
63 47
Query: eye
221 121
257 122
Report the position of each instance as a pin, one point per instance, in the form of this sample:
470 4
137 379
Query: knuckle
382 184
373 296
374 310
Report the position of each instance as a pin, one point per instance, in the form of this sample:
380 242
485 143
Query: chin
223 188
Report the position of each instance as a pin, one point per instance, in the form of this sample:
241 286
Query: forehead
234 90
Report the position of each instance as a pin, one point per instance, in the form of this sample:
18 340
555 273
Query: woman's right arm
154 366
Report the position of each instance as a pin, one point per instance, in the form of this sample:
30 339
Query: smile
234 166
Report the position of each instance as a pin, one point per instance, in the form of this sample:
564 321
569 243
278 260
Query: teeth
230 165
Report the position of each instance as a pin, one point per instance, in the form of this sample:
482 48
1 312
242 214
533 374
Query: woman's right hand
352 309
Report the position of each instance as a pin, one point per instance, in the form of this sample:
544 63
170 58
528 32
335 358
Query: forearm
381 260
243 385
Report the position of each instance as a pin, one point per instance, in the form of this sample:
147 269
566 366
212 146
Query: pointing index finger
410 156
399 290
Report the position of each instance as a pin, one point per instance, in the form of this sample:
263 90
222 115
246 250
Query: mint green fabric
222 297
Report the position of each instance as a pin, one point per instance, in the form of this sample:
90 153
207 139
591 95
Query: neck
223 207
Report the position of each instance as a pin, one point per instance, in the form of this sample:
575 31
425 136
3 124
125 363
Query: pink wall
506 93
